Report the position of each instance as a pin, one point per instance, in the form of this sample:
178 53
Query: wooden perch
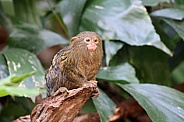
63 108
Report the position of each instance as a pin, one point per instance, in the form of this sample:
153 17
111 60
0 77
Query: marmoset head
88 40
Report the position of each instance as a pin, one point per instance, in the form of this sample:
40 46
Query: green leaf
16 107
151 65
17 91
177 73
123 73
178 56
71 11
4 20
18 79
3 67
179 3
9 86
20 61
162 104
153 2
164 29
104 105
15 80
111 48
26 11
6 80
172 13
88 107
178 26
31 38
122 56
127 21
8 8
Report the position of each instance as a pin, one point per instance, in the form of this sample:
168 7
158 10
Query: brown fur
74 65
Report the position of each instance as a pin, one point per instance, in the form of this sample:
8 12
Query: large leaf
34 39
168 36
120 57
7 7
17 91
178 26
3 19
3 67
162 104
21 61
13 80
151 65
178 56
179 3
16 107
123 73
153 2
177 73
111 48
71 11
26 11
172 13
127 21
8 86
105 106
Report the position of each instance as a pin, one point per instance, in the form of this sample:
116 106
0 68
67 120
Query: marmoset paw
61 91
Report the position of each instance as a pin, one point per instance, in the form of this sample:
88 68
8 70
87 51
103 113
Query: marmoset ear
73 39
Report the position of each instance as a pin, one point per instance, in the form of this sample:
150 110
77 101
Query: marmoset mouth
91 47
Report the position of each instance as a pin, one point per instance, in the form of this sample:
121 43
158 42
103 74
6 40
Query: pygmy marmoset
75 64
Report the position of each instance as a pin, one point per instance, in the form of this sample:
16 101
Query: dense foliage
143 51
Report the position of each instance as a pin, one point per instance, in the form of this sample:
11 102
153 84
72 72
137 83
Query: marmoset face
87 40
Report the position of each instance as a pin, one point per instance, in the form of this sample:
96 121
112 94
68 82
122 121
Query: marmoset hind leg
61 91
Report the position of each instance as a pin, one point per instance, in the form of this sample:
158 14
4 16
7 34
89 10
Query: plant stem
59 19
